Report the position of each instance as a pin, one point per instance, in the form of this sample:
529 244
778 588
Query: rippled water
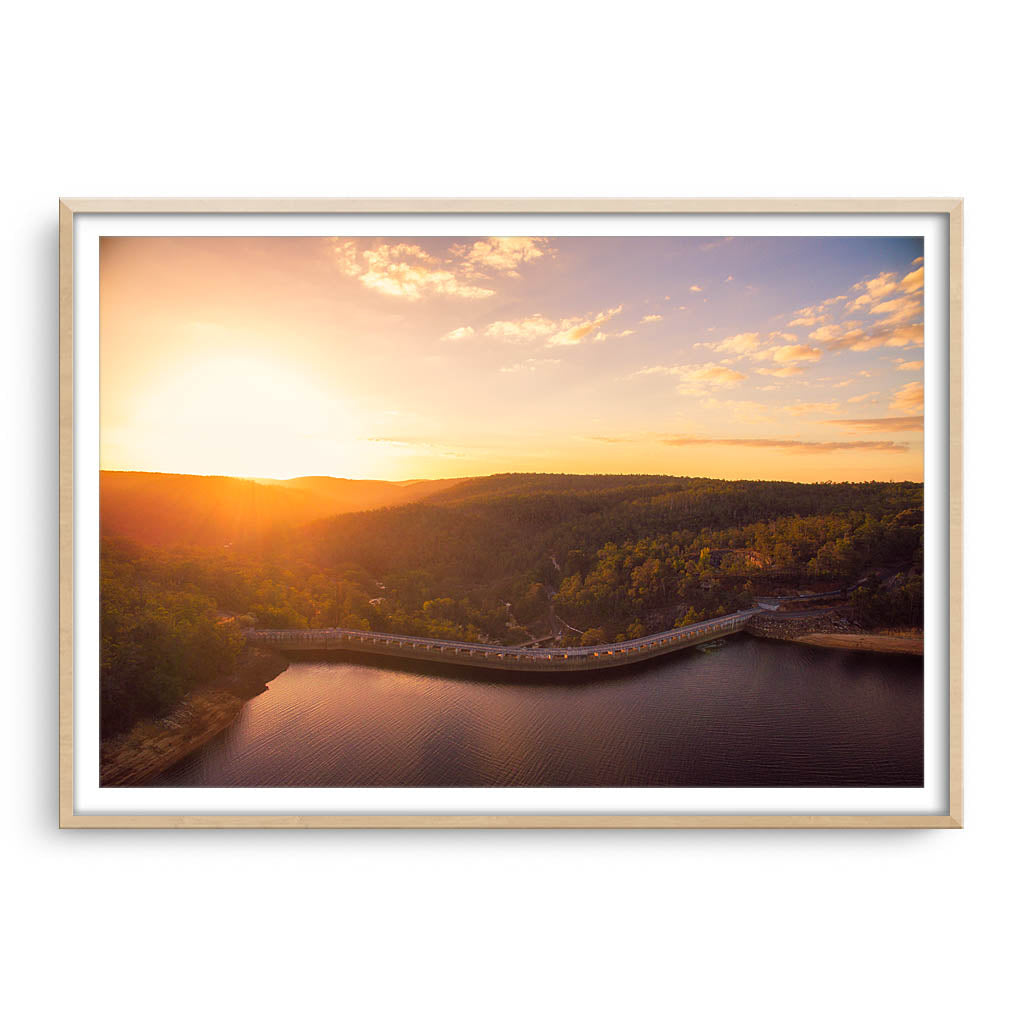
754 713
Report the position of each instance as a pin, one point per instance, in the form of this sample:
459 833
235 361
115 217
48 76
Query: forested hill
484 529
169 509
505 559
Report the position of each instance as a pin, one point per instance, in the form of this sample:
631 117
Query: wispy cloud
651 318
863 398
794 446
697 378
458 334
556 333
404 271
882 425
501 255
407 271
782 371
739 343
909 398
530 365
810 408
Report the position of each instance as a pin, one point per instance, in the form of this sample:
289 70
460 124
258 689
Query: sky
412 358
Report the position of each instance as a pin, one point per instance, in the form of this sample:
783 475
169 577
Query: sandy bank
880 643
154 746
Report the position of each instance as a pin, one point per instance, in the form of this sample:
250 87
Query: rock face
791 628
154 746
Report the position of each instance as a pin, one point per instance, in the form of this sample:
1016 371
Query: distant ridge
171 509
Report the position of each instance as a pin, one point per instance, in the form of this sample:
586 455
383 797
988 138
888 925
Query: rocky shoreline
835 629
152 747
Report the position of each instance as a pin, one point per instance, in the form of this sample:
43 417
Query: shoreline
151 747
876 643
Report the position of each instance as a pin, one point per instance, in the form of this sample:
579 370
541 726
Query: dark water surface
754 713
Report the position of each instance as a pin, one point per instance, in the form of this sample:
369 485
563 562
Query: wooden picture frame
70 209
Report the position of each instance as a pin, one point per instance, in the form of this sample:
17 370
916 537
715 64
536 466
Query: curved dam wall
492 656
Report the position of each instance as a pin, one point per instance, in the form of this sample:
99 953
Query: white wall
518 99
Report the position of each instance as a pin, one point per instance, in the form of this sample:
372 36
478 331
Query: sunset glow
393 359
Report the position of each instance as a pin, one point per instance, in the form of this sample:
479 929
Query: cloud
796 447
796 354
810 408
917 262
909 398
739 343
806 321
900 310
556 333
458 334
576 329
843 383
864 397
915 364
530 365
697 378
913 282
651 318
728 279
502 255
528 328
832 332
884 424
859 340
403 271
696 288
783 371
873 290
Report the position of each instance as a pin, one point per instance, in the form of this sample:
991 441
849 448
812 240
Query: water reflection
754 713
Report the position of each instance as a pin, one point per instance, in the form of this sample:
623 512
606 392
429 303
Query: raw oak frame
950 207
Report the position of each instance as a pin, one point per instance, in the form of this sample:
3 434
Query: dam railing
537 659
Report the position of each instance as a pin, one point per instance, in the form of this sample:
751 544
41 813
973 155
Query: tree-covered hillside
506 559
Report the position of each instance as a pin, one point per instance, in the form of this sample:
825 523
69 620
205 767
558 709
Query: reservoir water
753 713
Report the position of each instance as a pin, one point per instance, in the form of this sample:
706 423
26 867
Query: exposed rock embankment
154 746
790 628
834 629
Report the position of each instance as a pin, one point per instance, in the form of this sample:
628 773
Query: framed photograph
510 513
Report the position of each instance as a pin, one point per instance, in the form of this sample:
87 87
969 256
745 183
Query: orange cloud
458 334
915 364
810 408
557 333
913 282
503 255
740 343
909 398
698 378
783 371
796 354
796 447
403 271
884 424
